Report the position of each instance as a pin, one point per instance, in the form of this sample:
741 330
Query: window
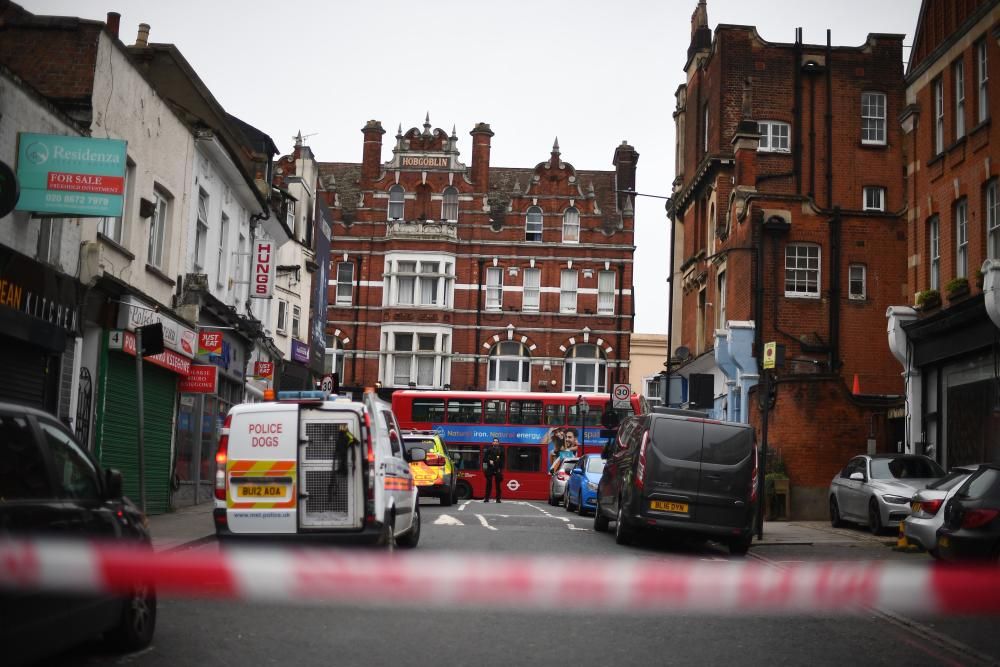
76 475
606 293
802 270
417 358
567 291
282 315
775 136
201 233
50 240
405 283
494 288
345 283
532 290
938 92
555 415
856 290
533 224
526 412
420 282
654 387
429 283
158 228
396 196
464 411
934 252
873 118
242 263
958 71
428 410
982 81
113 228
992 220
449 207
509 367
704 129
720 301
961 240
23 474
524 459
220 278
571 225
585 369
496 412
296 317
874 199
334 360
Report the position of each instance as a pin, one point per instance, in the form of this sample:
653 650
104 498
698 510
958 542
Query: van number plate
250 491
664 506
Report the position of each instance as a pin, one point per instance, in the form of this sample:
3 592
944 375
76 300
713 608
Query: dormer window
571 225
533 224
449 207
396 195
774 136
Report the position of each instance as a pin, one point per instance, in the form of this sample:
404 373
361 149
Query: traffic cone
902 544
857 385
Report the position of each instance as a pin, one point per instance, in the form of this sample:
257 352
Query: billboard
73 176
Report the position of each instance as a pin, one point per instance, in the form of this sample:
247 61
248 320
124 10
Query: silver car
927 508
557 487
876 490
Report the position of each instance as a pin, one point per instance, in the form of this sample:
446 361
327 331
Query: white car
876 490
928 508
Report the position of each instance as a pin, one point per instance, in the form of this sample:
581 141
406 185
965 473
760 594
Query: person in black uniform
493 468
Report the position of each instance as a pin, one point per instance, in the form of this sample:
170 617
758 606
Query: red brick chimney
481 134
114 23
625 160
745 142
371 161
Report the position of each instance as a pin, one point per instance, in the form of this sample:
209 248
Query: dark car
683 473
971 529
50 486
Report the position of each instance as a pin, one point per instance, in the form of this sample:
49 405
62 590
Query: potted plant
928 299
957 288
776 485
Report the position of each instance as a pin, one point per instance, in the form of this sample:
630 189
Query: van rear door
331 449
726 475
673 468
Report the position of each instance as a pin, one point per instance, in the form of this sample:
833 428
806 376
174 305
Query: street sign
327 384
116 339
770 351
620 394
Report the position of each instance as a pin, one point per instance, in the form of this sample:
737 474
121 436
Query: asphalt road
216 633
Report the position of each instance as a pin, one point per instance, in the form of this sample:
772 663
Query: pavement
192 525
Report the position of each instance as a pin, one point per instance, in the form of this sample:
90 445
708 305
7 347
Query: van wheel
740 546
463 491
835 520
448 497
623 533
138 620
412 536
600 521
387 538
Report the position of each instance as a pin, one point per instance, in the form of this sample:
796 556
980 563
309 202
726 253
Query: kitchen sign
263 260
74 176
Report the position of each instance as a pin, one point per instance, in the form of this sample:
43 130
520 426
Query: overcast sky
592 72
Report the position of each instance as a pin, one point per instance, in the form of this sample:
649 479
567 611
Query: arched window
571 225
449 207
396 194
585 370
533 224
510 367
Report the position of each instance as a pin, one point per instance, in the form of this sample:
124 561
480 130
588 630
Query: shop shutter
25 370
120 431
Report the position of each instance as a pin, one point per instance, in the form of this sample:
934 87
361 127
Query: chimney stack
114 22
625 160
481 134
371 161
142 39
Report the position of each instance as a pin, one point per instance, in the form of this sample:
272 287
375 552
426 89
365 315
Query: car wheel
552 499
137 623
463 491
874 518
581 508
600 521
447 497
623 533
835 519
568 502
412 536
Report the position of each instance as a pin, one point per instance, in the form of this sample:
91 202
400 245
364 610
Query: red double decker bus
469 420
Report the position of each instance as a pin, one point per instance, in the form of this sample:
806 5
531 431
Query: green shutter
120 430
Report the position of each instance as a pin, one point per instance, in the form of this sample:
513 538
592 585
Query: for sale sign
201 380
264 258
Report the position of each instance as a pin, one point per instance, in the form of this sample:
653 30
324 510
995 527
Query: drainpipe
357 321
835 242
618 320
797 85
829 122
665 390
479 319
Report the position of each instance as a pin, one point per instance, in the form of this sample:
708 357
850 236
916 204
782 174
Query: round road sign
621 392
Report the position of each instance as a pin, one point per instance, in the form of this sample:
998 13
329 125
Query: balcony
427 230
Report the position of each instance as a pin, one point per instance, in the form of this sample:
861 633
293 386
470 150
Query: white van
311 465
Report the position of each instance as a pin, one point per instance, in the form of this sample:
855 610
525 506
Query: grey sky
592 72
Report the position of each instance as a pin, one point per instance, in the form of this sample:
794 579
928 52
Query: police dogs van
311 465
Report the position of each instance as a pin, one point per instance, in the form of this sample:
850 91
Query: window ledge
937 158
114 245
958 143
796 295
871 145
980 127
160 274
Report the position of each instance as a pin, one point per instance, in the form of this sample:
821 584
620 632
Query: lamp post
582 408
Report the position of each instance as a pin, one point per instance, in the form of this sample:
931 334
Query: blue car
581 489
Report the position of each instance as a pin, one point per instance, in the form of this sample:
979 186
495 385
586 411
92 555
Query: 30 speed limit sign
621 393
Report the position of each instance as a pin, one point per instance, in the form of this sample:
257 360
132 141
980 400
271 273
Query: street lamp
582 409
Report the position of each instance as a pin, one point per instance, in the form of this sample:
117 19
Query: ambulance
315 466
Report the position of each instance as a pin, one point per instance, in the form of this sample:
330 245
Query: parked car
971 529
876 490
926 516
434 476
581 488
51 486
684 473
557 487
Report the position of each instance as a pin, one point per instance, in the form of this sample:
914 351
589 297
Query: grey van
678 471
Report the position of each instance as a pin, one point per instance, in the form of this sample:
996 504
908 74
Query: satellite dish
682 353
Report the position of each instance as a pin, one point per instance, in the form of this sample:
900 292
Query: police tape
523 582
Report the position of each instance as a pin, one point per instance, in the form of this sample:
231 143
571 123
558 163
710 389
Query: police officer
493 468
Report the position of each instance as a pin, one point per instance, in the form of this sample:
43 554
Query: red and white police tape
643 585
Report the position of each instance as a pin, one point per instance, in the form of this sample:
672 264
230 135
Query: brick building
444 275
948 341
778 236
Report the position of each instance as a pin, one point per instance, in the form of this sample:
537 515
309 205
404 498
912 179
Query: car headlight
895 500
591 486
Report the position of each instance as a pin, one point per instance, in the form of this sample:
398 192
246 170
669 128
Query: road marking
482 520
447 520
464 505
572 527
